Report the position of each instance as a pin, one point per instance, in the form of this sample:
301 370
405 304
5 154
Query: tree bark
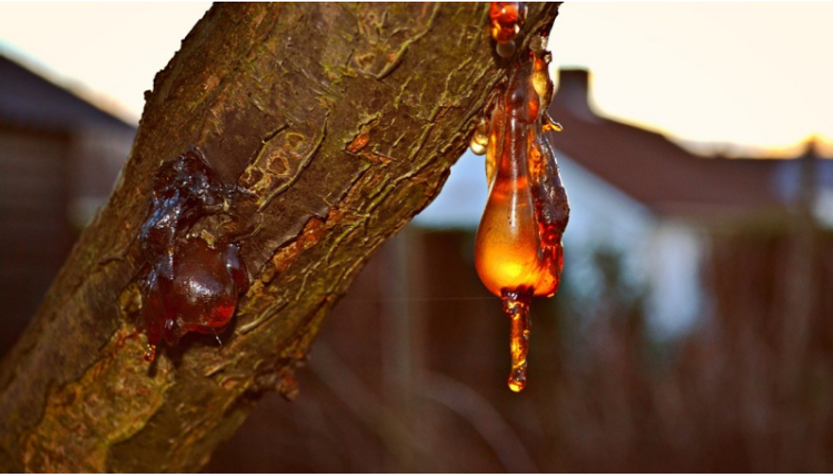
341 121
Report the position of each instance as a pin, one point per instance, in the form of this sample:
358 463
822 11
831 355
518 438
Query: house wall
97 156
463 197
34 233
604 218
677 300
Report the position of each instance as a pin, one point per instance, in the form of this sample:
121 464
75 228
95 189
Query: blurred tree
342 121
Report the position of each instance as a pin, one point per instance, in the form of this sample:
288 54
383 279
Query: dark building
59 158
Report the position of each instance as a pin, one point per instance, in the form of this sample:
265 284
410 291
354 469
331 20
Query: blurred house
59 158
638 195
690 200
409 371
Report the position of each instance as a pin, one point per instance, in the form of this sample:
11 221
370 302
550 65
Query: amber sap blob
200 294
518 249
519 238
187 285
507 18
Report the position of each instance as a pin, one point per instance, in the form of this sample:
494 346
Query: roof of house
655 171
29 100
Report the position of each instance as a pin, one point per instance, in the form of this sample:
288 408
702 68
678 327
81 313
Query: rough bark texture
342 120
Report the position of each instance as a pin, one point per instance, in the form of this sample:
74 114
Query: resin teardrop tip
517 381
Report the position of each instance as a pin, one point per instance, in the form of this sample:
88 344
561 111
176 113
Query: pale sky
755 74
729 74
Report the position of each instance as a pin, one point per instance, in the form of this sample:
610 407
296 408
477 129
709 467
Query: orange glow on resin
518 249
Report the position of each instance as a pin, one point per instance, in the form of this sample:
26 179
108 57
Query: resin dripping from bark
187 283
518 249
516 306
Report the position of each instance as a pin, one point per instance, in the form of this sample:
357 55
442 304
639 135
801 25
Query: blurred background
693 327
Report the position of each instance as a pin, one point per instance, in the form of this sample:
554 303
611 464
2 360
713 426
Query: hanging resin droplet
480 139
518 249
507 19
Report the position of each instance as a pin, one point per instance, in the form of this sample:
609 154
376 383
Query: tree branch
339 122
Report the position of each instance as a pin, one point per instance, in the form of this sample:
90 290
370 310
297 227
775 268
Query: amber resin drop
200 295
507 18
518 249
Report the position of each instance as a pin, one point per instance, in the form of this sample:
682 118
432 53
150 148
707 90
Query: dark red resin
187 284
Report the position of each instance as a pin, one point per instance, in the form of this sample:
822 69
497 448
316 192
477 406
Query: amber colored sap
509 251
507 20
518 252
506 249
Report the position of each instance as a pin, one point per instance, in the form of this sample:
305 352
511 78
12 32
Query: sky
108 52
748 78
729 74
